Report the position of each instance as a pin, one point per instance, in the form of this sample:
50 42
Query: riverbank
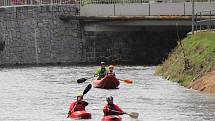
192 63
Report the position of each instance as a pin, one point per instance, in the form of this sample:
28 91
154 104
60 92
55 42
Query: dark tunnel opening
150 46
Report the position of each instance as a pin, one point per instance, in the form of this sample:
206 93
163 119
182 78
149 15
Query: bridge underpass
130 39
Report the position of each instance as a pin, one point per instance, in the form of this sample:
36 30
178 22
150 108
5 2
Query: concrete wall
135 9
199 7
35 34
131 9
167 9
97 10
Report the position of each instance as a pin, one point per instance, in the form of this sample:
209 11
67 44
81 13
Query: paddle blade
133 115
89 86
128 81
81 80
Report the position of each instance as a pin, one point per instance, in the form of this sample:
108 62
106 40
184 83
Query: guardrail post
114 9
200 21
184 9
210 22
193 12
196 25
5 3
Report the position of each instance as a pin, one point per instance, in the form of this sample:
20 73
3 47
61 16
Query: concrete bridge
112 15
145 9
56 33
141 26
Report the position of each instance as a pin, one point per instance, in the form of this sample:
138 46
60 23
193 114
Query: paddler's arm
71 108
97 72
118 112
85 103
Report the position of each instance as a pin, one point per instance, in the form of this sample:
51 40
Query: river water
45 93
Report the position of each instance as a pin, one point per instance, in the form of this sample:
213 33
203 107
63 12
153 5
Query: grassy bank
191 59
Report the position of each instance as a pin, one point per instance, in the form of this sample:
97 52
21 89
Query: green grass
199 52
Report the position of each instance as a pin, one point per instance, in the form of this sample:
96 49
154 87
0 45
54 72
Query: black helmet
109 98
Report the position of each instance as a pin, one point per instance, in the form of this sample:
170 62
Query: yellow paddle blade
133 115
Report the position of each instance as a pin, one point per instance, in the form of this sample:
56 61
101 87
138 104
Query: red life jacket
79 107
107 110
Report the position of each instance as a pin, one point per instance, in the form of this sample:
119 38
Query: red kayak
80 115
108 82
112 118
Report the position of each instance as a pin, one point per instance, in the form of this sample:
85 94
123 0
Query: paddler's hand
69 113
124 113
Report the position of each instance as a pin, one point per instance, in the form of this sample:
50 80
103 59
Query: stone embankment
36 35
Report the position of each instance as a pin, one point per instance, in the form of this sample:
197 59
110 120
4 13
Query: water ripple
45 93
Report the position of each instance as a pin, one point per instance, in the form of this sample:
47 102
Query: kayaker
101 71
110 72
78 105
111 108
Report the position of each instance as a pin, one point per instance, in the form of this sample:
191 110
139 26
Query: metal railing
84 2
205 20
40 2
36 2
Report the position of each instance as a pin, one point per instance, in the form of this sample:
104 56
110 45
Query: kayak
80 115
108 82
112 118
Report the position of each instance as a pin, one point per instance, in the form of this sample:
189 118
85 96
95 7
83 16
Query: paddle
84 79
126 81
87 89
132 114
89 86
81 80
